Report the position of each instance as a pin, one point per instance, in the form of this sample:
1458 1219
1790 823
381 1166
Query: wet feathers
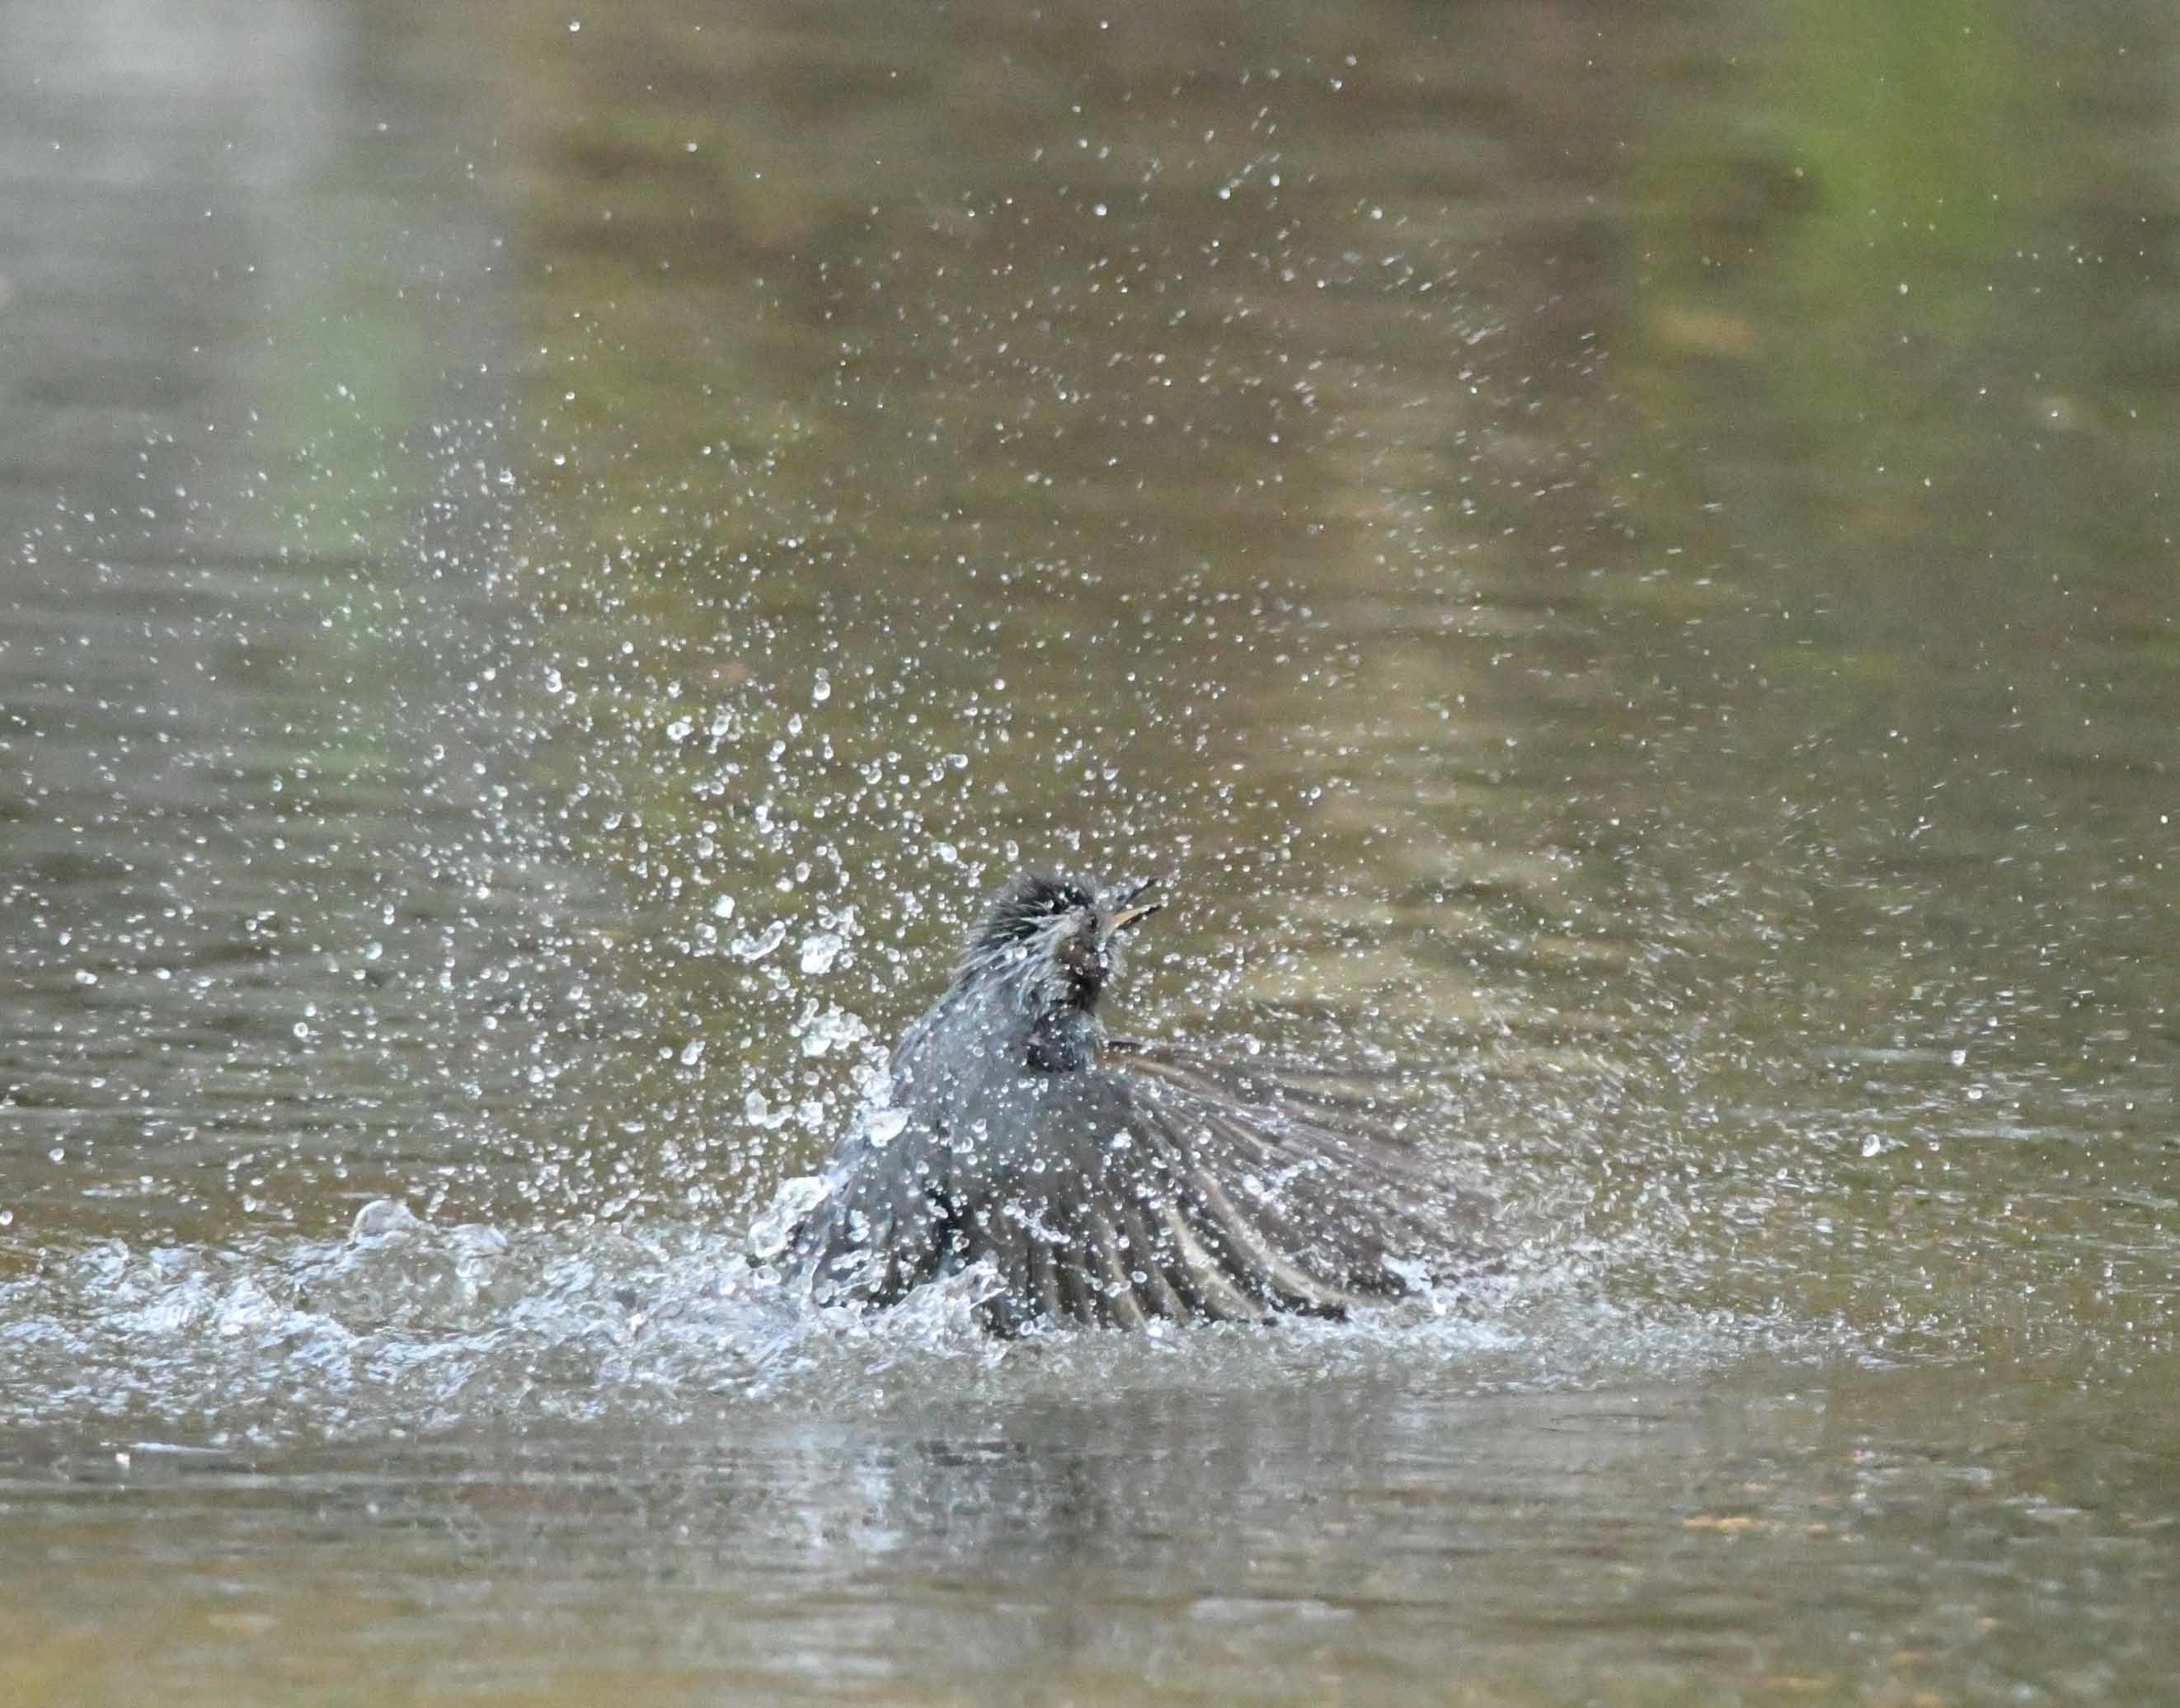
1102 1181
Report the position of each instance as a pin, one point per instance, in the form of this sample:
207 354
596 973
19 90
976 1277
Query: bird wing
1293 1174
880 1230
1158 1184
1207 1192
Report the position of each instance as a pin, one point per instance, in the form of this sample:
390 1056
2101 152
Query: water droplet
755 946
795 1199
886 1125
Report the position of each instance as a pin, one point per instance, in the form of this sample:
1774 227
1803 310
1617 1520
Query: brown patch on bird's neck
1084 967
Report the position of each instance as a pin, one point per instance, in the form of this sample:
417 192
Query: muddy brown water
1625 558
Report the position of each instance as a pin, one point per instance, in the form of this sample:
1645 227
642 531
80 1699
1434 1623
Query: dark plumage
1107 1182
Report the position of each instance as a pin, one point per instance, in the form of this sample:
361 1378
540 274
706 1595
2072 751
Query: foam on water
407 1328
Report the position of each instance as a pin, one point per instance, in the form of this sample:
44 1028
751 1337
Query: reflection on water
1625 561
1556 1491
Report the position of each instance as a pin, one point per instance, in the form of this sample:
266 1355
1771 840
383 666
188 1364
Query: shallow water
1625 561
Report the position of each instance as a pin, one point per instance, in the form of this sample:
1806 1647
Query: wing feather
1201 1275
1157 1184
1153 1260
1258 1263
1115 1289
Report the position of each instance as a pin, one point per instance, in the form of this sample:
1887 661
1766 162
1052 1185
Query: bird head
1055 940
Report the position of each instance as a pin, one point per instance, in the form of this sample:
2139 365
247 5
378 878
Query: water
1625 563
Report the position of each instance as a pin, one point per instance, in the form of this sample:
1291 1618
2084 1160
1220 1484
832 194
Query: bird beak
1129 907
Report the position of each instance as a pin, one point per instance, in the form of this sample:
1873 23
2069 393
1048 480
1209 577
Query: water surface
1626 561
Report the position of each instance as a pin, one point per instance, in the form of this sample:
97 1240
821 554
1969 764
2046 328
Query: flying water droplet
885 1125
795 1199
755 945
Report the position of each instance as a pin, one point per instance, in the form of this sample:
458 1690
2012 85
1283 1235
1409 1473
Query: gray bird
1107 1182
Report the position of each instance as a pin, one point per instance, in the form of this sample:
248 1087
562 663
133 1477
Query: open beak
1129 907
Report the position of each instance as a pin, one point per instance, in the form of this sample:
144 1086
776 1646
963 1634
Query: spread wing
1168 1186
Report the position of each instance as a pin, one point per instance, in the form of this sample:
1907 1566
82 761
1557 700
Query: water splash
407 1327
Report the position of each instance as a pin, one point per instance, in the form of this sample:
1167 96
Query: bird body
1105 1182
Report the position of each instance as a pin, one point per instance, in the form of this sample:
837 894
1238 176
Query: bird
1105 1182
